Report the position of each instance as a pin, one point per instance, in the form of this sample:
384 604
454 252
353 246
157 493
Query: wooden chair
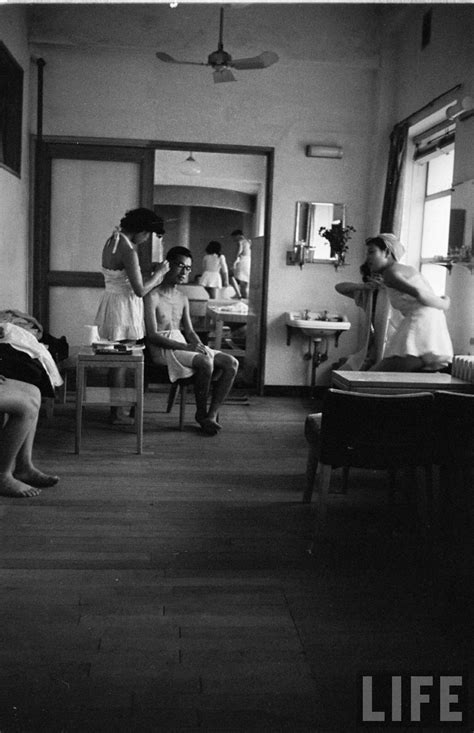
312 432
454 450
155 373
381 432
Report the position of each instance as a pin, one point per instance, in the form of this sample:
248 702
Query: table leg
139 387
219 330
80 386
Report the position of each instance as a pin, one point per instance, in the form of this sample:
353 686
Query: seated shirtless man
19 408
166 313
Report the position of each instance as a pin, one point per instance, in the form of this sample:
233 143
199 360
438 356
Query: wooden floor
173 591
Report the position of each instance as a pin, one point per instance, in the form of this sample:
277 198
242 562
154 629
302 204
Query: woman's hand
374 282
161 268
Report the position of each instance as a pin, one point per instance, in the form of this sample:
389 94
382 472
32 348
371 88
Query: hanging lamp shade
190 167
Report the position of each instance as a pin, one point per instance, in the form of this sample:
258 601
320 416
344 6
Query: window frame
11 111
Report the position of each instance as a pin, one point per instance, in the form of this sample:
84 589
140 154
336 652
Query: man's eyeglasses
182 267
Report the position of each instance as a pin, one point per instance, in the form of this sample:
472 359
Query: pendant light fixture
190 167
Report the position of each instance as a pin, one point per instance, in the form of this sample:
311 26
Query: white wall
330 86
14 191
117 94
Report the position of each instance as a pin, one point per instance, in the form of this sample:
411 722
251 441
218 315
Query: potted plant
337 236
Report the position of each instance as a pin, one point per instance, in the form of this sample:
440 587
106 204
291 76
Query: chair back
376 431
454 427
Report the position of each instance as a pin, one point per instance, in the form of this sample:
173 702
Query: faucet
306 315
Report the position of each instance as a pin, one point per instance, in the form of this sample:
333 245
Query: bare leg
119 415
21 402
212 293
203 364
399 364
222 386
244 288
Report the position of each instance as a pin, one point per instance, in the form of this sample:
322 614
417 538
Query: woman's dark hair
237 233
142 220
214 248
377 242
175 252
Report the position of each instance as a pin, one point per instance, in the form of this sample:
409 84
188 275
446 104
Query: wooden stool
113 396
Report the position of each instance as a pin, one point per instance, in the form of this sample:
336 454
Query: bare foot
36 478
123 420
118 416
10 486
210 427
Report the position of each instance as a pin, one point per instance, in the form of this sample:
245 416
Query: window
437 206
11 105
434 153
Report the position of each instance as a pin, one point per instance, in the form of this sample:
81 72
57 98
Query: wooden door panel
88 199
84 191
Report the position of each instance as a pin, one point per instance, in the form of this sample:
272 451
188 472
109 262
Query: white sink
317 323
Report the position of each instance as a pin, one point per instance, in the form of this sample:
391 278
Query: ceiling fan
222 62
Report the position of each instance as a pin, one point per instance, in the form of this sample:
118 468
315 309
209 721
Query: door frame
124 150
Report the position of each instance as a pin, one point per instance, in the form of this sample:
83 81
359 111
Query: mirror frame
306 225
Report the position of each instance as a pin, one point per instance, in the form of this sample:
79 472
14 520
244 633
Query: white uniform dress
423 331
242 262
120 313
212 265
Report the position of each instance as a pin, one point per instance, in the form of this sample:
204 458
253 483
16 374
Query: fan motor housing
219 58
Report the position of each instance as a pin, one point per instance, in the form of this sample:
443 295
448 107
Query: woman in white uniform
215 274
120 313
421 341
242 262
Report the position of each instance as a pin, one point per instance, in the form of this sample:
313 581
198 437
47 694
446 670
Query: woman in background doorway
241 267
215 274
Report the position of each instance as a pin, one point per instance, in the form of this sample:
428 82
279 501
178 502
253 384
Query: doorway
86 187
220 192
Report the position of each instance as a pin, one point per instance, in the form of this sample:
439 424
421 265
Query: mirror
310 217
461 224
228 192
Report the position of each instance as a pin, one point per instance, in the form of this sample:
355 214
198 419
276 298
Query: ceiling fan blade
223 74
266 58
170 60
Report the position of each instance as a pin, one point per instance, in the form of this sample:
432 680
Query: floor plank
173 591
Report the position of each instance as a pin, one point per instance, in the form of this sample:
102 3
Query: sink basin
317 323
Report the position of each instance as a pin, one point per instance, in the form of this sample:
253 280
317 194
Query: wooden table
113 396
398 382
219 318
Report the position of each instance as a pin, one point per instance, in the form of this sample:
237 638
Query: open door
84 191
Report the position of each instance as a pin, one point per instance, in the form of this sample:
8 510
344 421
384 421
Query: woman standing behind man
120 313
215 274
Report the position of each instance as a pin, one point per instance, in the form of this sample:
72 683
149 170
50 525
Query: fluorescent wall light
323 151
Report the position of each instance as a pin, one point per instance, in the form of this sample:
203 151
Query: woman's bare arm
132 268
225 271
395 278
